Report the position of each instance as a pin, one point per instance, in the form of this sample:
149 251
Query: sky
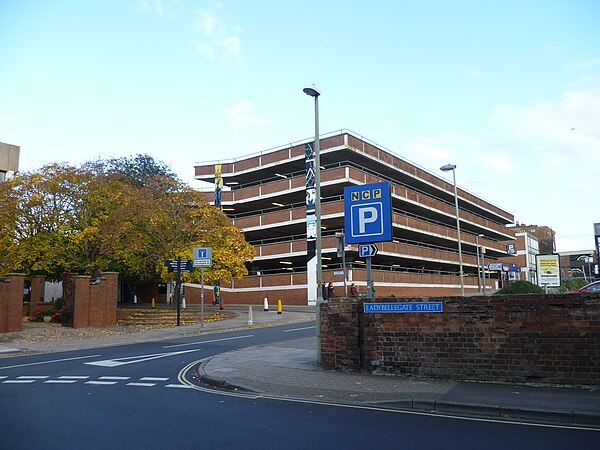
509 91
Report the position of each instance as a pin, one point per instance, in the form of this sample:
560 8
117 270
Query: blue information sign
404 307
368 213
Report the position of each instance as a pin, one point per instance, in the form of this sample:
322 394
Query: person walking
353 290
330 291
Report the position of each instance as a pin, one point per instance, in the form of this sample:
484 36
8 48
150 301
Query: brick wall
11 302
90 302
37 292
529 339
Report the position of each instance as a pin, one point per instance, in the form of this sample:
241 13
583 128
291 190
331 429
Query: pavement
289 370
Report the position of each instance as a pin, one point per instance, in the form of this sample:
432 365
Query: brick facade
38 283
529 339
11 302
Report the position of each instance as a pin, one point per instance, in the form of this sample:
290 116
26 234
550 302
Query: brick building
522 251
266 198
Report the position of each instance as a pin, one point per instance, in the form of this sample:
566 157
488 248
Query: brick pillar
37 292
11 302
111 297
81 301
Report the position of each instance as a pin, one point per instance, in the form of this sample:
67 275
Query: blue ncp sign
368 213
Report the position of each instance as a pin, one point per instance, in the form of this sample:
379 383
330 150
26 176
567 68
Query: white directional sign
202 256
367 250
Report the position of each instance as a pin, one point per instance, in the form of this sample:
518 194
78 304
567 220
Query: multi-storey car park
267 200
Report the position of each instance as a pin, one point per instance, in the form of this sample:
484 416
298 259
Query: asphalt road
136 397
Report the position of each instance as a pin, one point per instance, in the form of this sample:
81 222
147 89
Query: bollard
250 319
183 302
266 305
135 299
279 308
153 303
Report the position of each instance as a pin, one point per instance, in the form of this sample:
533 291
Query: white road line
18 381
180 386
114 378
33 377
73 377
136 359
153 379
3 377
141 384
49 362
212 340
299 329
61 381
101 382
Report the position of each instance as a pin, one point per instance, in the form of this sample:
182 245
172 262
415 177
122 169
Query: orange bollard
153 303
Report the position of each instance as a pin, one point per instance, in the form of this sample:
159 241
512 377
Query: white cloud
474 73
217 37
240 115
167 9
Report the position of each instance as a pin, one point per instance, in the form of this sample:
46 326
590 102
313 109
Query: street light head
480 235
448 167
312 90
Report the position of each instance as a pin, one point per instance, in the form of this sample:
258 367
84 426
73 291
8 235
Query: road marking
49 362
141 384
61 381
103 383
73 377
3 377
180 386
33 377
153 379
114 378
136 359
212 340
18 381
299 329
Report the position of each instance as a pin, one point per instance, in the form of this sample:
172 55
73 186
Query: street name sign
404 307
368 213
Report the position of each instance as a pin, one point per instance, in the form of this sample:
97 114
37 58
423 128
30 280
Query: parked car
588 288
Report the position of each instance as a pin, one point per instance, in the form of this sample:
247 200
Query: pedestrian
330 291
217 294
353 290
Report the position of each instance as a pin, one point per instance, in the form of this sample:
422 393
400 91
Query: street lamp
314 92
448 168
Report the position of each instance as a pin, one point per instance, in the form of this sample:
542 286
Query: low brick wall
88 302
11 302
530 339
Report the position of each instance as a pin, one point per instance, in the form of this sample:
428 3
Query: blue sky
509 91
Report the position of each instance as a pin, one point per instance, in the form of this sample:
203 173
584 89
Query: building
579 264
522 251
9 160
267 198
546 237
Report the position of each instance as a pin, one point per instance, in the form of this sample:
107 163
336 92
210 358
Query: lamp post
448 168
478 266
314 92
480 269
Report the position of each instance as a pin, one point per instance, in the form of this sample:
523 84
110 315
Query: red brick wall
11 302
94 303
531 339
37 292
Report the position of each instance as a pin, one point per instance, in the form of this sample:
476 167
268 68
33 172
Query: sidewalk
289 370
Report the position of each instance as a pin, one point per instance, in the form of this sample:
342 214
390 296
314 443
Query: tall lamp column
314 92
448 168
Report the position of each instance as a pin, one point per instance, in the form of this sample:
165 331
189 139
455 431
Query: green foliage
520 287
568 284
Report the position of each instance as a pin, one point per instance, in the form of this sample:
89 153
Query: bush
569 284
520 287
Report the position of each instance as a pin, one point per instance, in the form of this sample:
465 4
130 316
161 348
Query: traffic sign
367 250
368 213
181 265
202 256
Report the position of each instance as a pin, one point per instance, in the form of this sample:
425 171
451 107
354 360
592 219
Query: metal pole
318 224
369 279
202 301
483 268
460 262
178 290
478 267
344 267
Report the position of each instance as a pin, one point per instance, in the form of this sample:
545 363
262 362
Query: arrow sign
136 359
367 250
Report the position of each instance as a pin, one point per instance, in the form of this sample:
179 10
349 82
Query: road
136 397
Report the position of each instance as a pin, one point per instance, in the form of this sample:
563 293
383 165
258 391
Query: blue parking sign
368 213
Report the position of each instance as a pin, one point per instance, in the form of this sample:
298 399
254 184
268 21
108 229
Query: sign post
202 259
179 265
548 270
